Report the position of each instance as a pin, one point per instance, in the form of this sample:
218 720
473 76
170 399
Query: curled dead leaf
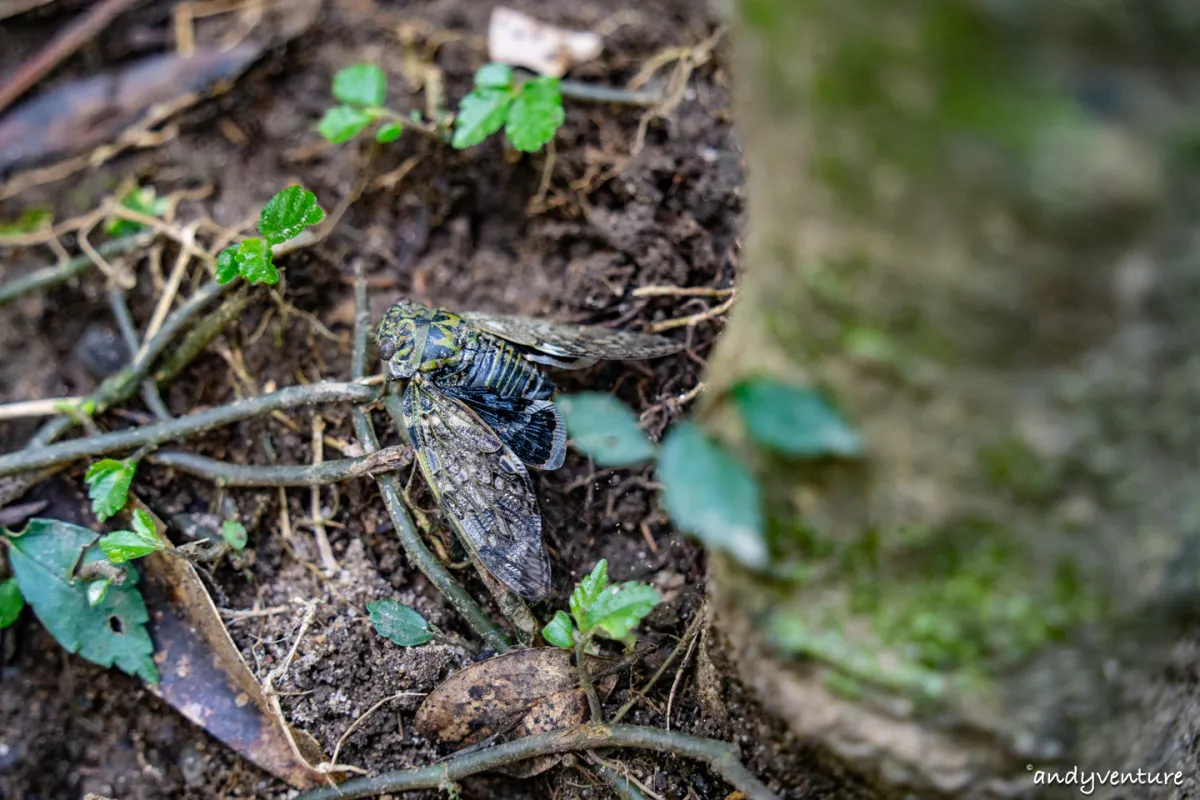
521 41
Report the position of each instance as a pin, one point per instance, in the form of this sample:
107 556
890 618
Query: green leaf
559 631
227 265
794 421
11 602
535 115
494 76
389 132
588 590
601 426
288 213
122 546
108 483
342 123
234 534
254 261
112 632
620 608
399 623
361 85
142 199
480 114
708 494
31 220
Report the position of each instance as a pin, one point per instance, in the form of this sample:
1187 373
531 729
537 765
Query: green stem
86 447
585 678
720 756
120 309
226 474
204 332
591 93
424 560
53 275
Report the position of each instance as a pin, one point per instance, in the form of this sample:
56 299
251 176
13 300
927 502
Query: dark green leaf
361 85
288 213
31 221
559 631
399 623
588 590
108 483
227 265
122 546
43 558
535 115
11 602
234 534
794 421
494 76
620 608
254 261
389 132
709 494
601 426
342 123
480 114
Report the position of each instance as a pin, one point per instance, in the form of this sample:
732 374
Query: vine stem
226 474
720 756
420 555
65 270
131 438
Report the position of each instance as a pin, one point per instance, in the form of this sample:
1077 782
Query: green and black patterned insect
478 410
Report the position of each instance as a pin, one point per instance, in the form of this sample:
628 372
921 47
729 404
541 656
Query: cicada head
401 336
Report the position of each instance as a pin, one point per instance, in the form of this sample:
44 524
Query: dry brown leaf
522 41
205 678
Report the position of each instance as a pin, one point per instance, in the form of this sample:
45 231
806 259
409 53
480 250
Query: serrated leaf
342 123
602 427
535 115
288 213
619 608
108 482
361 85
227 265
794 421
254 261
559 631
389 132
399 623
710 495
112 632
122 546
480 114
11 602
494 76
588 590
234 534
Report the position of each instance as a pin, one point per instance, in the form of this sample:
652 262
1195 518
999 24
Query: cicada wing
483 488
534 429
572 346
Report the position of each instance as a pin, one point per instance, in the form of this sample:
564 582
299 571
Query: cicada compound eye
387 349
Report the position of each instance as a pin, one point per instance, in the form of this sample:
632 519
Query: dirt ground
457 232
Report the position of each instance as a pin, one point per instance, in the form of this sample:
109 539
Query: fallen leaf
519 39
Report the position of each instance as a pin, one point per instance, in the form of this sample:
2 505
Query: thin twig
692 631
626 787
721 756
65 270
120 309
178 270
40 408
332 765
318 523
81 31
693 319
592 93
585 680
202 334
424 560
225 474
678 676
65 452
681 291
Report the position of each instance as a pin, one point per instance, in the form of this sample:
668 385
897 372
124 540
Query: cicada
478 410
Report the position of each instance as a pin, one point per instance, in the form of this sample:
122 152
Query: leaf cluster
362 90
283 217
601 609
529 111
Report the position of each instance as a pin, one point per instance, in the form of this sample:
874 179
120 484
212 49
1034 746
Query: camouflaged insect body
478 411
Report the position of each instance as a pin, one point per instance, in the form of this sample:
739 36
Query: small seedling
31 221
529 111
11 602
283 217
142 199
234 534
600 609
108 482
122 546
362 90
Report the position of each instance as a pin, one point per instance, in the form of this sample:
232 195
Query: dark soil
456 232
